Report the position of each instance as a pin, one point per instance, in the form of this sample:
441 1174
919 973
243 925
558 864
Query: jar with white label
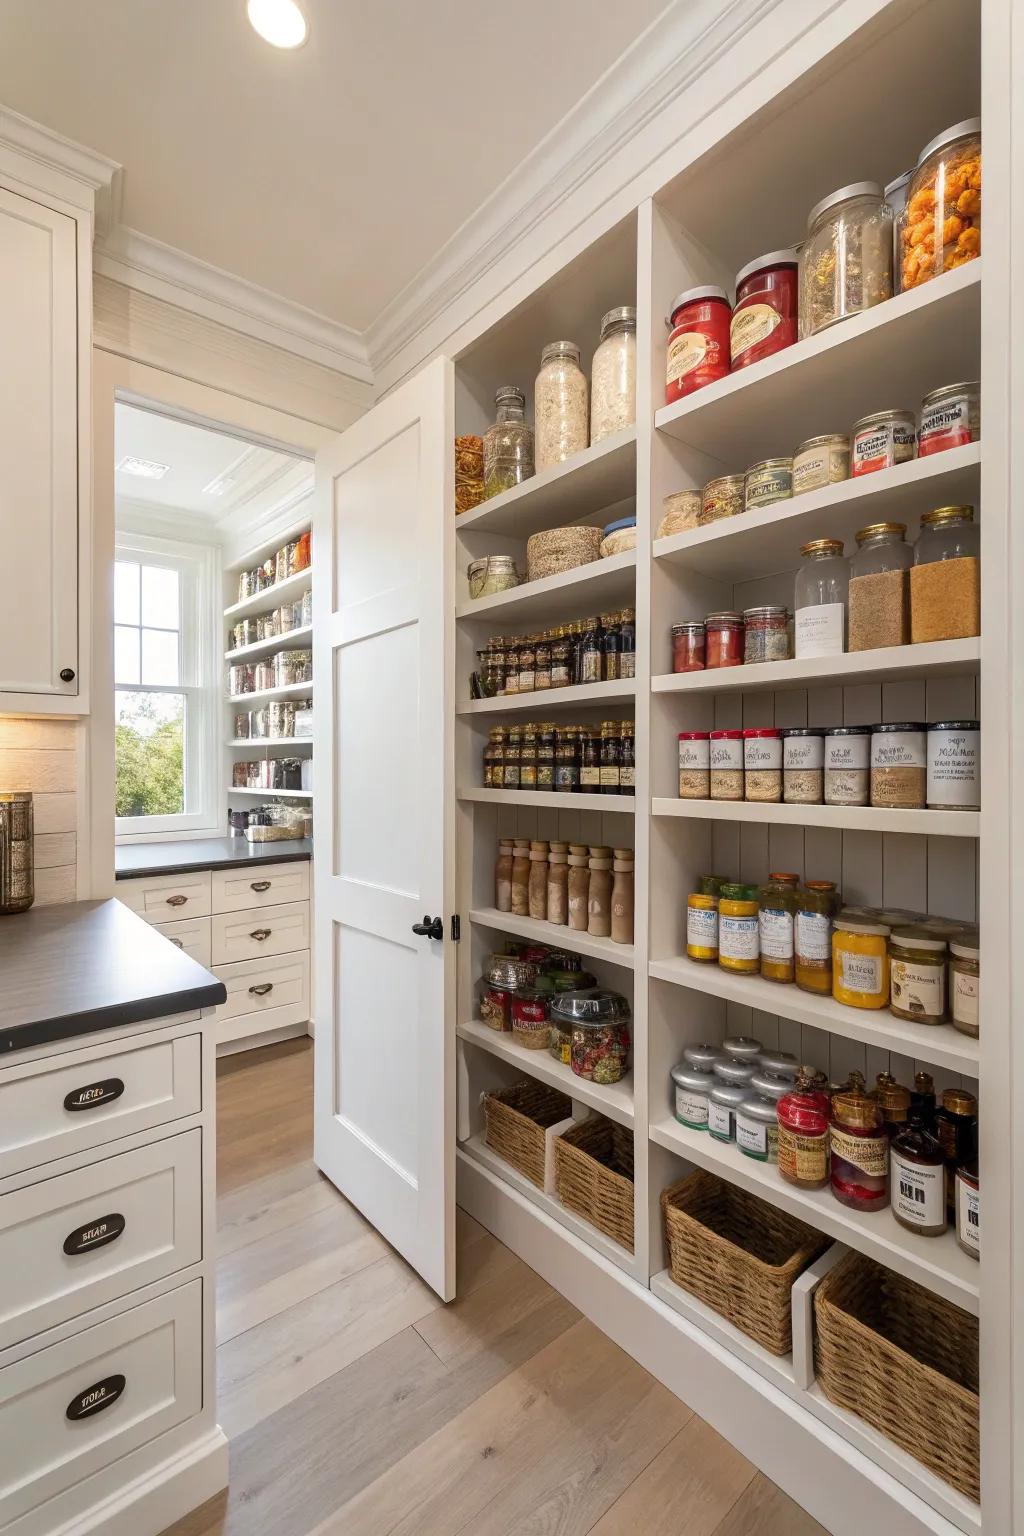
917 1180
860 961
723 1102
757 1128
702 927
917 970
950 418
694 765
803 766
883 440
821 461
690 1102
820 600
847 765
776 918
964 978
953 780
726 760
762 764
898 765
968 1208
738 949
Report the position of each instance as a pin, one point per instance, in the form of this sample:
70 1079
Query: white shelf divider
555 700
888 664
273 794
614 1100
270 598
596 478
860 818
293 637
555 934
551 800
596 584
286 691
257 743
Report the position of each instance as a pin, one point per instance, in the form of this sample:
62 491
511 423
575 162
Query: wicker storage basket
904 1360
594 1170
516 1121
738 1254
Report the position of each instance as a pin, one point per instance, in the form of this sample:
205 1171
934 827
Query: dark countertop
90 965
134 859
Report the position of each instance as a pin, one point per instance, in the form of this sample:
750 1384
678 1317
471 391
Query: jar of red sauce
688 641
724 639
858 1149
698 343
804 1115
764 319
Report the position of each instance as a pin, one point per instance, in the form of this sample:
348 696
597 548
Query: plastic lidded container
599 1021
860 961
944 200
619 537
803 765
846 259
764 318
690 1096
698 342
762 764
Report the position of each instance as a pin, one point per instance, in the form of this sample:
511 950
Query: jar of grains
766 633
847 765
694 765
560 406
698 342
726 762
880 587
883 440
821 461
820 598
917 962
688 640
953 780
945 590
950 418
531 1024
762 764
613 375
738 948
846 260
764 319
702 927
898 765
508 443
940 228
679 513
722 497
776 920
964 973
767 482
691 1090
860 961
803 765
817 903
724 639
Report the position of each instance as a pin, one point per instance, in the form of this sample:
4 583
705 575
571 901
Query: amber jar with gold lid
893 1100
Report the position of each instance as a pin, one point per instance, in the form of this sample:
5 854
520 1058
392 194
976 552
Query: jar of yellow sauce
702 926
738 946
860 962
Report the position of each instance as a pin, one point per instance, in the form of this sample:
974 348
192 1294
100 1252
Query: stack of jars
589 889
546 1000
596 650
291 558
565 759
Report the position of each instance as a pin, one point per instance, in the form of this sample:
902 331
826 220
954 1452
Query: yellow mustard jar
702 926
860 961
738 946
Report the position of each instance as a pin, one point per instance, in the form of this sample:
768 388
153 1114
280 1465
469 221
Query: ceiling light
279 22
146 469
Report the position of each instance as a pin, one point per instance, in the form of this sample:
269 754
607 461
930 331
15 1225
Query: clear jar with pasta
846 260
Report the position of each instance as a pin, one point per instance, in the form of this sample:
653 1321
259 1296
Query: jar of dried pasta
762 764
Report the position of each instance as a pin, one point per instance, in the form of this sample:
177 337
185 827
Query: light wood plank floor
357 1405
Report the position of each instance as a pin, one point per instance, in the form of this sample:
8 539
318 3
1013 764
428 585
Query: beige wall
43 756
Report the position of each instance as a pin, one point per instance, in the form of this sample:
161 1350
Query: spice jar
918 969
560 407
803 766
558 884
858 1149
757 1127
847 759
538 881
967 1211
508 443
579 886
623 896
776 918
964 974
721 497
821 594
599 897
726 765
803 1115
846 259
762 764
702 927
817 902
627 758
767 482
944 201
953 779
917 1170
898 765
611 757
950 418
613 375
531 1006
764 319
723 1101
599 1021
766 633
503 876
945 592
738 949
860 962
694 765
698 342
567 760
880 587
820 462
691 1091
688 646
883 440
724 644
521 877
894 1102
956 1128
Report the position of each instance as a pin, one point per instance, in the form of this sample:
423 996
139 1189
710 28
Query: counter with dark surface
91 965
134 859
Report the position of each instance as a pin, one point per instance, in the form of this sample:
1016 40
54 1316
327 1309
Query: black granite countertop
90 965
134 859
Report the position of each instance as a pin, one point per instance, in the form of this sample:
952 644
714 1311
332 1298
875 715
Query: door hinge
456 928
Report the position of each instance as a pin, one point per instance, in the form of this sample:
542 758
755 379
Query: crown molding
97 177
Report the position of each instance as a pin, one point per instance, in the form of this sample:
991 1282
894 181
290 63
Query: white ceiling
329 175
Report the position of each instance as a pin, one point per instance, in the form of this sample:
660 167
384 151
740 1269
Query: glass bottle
922 1097
611 646
777 902
610 757
627 643
945 591
545 755
858 1149
528 758
880 587
820 599
490 754
561 659
590 657
817 904
968 1208
542 658
804 1115
512 665
567 762
560 405
956 1128
527 664
508 443
917 1167
613 375
590 762
894 1102
627 758
513 756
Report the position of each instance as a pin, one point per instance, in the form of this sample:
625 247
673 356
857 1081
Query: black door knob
430 928
67 674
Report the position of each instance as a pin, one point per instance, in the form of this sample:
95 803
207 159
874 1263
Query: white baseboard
269 1037
161 1496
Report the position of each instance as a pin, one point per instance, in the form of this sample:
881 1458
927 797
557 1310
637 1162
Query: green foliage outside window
149 754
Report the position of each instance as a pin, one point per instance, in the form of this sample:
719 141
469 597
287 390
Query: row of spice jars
568 759
589 889
898 765
597 650
547 1002
282 670
279 720
268 773
289 560
267 626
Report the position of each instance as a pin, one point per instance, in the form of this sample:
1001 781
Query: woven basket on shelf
904 1360
594 1171
738 1254
516 1121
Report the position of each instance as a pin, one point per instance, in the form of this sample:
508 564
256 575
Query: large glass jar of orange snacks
940 227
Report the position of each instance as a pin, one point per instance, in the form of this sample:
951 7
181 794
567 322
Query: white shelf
888 356
258 742
597 478
273 794
888 664
937 1263
259 553
861 818
598 585
556 934
615 1100
625 805
764 543
555 700
939 1044
270 597
777 1369
277 643
286 691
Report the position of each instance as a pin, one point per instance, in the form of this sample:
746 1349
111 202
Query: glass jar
496 1006
703 1055
688 641
945 588
898 773
702 927
764 319
560 405
724 640
743 1048
560 1042
821 461
723 1101
722 497
691 1090
858 1149
964 977
531 1007
542 662
847 765
776 920
918 967
627 643
738 949
611 757
820 599
762 764
882 440
767 482
618 538
967 1212
956 1128
917 1170
611 642
944 196
694 765
803 765
765 633
613 375
894 1102
513 757
757 1127
508 443
880 587
860 962
567 761
817 902
599 1020
803 1115
679 513
726 760
950 418
698 342
922 1097
846 259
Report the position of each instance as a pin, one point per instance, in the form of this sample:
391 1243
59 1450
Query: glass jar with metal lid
893 1100
859 1148
846 259
688 646
561 419
821 461
613 374
964 980
508 443
803 765
880 587
723 639
767 482
940 227
918 976
743 1048
764 318
757 1125
967 1218
703 1055
950 418
820 598
953 781
494 573
766 633
847 765
721 497
776 917
945 590
779 1063
698 341
724 1100
737 932
882 440
691 1089
860 961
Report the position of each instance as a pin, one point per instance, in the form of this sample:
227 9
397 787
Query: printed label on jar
695 754
803 1158
720 1120
737 938
953 778
726 752
751 1135
765 487
897 749
804 752
750 327
870 1154
692 1108
813 936
860 973
919 989
819 467
609 777
918 1193
844 754
762 752
590 776
686 352
947 424
881 447
819 631
627 779
702 927
965 999
776 930
968 1223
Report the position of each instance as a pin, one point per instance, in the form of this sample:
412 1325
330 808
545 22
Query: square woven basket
738 1254
517 1119
904 1360
594 1170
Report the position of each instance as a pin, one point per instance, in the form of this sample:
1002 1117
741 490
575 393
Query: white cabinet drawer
262 995
87 1098
69 1411
192 936
88 1237
263 886
257 932
166 898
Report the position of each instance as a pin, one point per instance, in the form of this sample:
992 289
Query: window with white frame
165 677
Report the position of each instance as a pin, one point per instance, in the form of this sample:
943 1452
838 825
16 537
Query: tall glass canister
17 860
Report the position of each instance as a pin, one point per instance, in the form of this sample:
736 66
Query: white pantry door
383 546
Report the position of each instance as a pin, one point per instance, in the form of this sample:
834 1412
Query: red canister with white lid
698 343
764 319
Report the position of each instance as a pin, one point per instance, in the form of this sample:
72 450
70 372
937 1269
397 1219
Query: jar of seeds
803 764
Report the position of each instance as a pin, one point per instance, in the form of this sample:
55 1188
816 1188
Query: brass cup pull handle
176 901
259 934
262 988
259 885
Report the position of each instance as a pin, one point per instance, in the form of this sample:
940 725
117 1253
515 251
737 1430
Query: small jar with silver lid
743 1048
848 765
803 764
613 374
821 461
703 1057
492 574
780 1063
768 481
950 418
883 440
757 1127
690 1096
723 1102
766 633
953 775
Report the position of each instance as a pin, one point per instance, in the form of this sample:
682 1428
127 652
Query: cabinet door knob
176 901
430 928
259 885
259 934
262 988
67 674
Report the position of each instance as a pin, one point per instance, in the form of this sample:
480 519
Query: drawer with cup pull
263 995
82 1099
192 937
166 898
76 1407
100 1232
259 931
265 885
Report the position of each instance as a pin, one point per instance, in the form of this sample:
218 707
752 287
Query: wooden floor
357 1405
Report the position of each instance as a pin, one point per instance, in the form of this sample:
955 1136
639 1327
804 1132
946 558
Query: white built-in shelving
596 948
256 744
612 1099
887 664
271 597
599 584
548 799
275 643
859 818
261 695
598 477
547 701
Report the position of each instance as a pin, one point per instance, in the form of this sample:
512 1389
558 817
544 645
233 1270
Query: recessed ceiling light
279 22
146 469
